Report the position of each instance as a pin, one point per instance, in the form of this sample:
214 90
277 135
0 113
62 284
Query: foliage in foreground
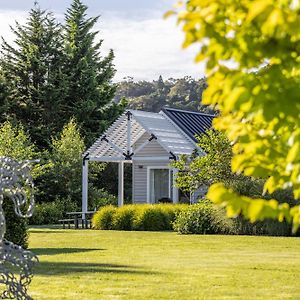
259 41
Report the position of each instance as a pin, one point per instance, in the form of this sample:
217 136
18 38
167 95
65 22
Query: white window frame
149 168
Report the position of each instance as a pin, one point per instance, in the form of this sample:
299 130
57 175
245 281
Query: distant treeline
183 93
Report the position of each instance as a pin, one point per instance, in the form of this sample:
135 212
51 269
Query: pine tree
33 69
90 87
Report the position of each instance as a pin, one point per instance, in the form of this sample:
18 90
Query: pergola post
175 191
85 172
121 184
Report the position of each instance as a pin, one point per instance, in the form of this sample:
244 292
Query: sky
145 45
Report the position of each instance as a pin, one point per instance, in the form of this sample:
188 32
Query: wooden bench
85 223
66 221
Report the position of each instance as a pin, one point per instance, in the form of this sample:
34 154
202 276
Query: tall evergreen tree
33 69
90 89
3 98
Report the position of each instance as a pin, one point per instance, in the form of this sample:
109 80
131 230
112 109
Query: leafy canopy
202 170
252 55
16 143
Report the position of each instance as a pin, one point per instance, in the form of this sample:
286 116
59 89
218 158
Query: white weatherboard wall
139 167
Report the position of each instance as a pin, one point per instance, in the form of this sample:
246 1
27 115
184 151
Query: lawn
87 264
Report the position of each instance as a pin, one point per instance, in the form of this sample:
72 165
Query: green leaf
256 8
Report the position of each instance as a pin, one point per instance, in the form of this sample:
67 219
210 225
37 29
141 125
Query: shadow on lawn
62 268
55 251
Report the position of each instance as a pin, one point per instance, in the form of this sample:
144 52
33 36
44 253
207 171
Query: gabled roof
157 125
191 123
168 136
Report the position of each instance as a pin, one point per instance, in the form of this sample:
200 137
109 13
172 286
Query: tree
61 181
32 70
203 170
186 93
57 72
251 50
182 93
15 143
3 98
63 178
89 75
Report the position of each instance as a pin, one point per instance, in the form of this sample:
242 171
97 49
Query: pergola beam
117 148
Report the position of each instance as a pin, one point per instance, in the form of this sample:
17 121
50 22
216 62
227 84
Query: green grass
87 264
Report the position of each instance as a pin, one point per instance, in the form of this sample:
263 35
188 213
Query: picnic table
76 217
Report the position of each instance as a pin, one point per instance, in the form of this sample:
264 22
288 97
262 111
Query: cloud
147 47
144 44
8 18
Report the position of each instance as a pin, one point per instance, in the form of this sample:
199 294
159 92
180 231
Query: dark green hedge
16 227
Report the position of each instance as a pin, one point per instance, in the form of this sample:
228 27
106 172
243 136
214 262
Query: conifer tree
32 68
3 98
90 89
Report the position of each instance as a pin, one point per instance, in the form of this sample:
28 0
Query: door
159 184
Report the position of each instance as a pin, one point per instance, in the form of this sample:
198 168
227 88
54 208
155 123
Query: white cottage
149 141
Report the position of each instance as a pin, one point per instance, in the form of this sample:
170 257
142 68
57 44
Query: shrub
137 217
171 211
203 218
151 218
123 218
266 227
51 212
103 218
156 217
46 213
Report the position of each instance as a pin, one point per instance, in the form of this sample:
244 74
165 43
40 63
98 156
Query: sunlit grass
87 264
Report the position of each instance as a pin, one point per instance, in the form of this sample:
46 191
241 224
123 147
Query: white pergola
115 145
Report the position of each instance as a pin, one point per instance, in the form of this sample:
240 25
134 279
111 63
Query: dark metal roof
190 122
